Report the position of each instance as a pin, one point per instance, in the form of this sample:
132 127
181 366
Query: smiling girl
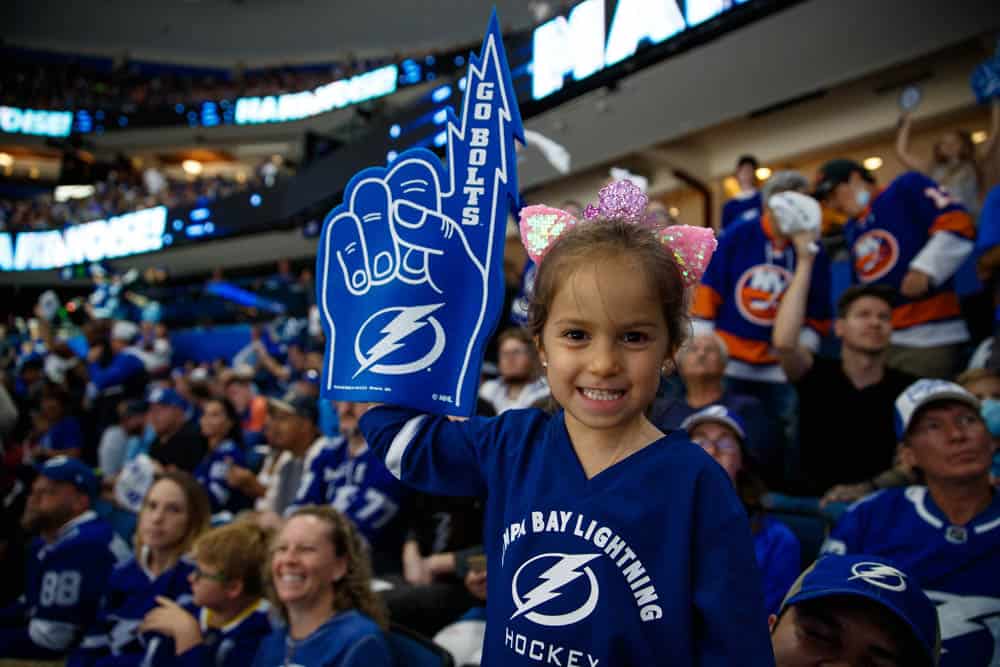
608 541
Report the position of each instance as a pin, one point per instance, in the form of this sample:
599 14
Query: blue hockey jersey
913 224
349 639
740 293
232 645
779 557
211 474
113 640
362 489
745 206
63 585
650 558
957 566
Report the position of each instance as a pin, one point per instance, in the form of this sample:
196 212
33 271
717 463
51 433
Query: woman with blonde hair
321 586
174 513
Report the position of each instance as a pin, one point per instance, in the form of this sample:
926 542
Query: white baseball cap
924 392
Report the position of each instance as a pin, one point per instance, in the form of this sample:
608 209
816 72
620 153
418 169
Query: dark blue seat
411 649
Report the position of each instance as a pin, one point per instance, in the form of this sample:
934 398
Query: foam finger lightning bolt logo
410 266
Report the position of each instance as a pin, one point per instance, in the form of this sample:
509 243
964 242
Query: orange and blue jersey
914 224
740 293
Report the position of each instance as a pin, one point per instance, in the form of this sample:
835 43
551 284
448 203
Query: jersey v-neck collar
610 474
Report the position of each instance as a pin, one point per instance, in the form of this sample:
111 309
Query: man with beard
834 449
520 384
68 564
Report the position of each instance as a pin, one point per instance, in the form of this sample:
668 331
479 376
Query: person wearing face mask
913 237
984 384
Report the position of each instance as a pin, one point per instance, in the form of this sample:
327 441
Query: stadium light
872 163
191 167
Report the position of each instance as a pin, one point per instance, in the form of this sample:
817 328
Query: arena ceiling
256 32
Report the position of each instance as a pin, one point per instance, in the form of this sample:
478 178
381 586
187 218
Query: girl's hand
170 619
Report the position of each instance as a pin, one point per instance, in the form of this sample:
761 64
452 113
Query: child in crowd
607 541
228 616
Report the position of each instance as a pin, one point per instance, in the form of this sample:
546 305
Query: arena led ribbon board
410 265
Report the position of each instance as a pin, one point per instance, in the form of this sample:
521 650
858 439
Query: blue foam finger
410 266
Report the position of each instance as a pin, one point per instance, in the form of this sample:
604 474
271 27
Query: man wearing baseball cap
945 532
68 564
855 610
912 237
179 442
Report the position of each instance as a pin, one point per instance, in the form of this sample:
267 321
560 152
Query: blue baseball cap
74 471
167 396
876 579
922 393
719 414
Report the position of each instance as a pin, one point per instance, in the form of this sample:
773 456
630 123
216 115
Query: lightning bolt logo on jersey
959 577
410 266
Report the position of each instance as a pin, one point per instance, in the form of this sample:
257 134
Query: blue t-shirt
349 639
650 558
957 566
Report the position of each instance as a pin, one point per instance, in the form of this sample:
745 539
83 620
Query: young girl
228 615
174 513
607 541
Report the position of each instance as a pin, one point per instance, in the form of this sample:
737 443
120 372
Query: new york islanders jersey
114 638
63 585
211 474
956 565
913 224
650 558
361 488
740 293
233 645
349 639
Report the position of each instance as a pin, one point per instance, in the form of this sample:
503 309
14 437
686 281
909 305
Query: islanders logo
875 254
758 292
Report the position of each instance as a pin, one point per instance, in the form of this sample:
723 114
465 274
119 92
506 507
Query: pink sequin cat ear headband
692 247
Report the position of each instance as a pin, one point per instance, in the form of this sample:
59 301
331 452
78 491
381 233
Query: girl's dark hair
354 590
596 240
235 432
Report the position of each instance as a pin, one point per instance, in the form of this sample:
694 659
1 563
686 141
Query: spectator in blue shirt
721 433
